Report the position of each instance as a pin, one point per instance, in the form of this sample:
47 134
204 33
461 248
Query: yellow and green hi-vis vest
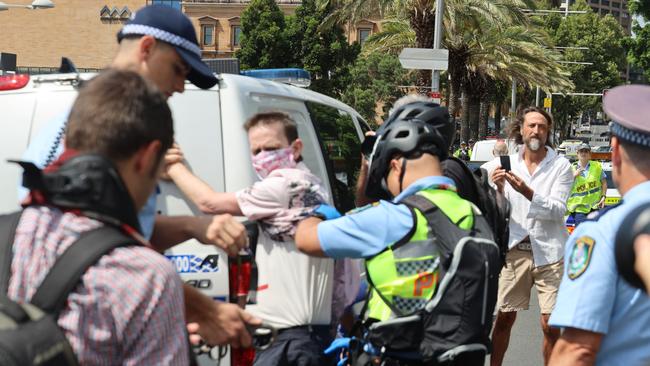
404 276
586 191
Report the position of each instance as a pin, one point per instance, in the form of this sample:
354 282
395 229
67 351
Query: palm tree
487 41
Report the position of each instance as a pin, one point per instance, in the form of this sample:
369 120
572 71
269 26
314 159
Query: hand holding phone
505 162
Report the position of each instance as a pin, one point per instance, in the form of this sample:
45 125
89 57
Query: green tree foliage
602 36
324 52
375 78
638 47
263 41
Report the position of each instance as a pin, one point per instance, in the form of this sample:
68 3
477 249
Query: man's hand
578 172
173 156
498 176
219 323
601 203
193 332
519 185
227 325
223 231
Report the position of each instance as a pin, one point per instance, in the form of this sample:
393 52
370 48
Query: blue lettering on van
189 263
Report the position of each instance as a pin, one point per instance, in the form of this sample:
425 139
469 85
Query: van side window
340 144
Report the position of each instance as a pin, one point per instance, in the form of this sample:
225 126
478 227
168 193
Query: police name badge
580 256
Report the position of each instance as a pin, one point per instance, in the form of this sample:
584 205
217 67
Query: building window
208 34
616 13
595 1
604 11
176 4
364 33
236 35
616 4
605 2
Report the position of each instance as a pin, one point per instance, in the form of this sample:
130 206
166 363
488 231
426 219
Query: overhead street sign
424 58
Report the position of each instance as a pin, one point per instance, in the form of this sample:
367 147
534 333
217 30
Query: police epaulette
597 215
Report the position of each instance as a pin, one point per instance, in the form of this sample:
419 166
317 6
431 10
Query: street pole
513 103
566 10
537 96
437 44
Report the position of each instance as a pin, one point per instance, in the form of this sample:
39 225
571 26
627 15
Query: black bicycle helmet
409 138
430 113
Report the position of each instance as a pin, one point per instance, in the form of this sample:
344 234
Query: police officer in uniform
406 160
589 187
606 321
463 153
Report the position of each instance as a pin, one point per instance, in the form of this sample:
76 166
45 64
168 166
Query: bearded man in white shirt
537 186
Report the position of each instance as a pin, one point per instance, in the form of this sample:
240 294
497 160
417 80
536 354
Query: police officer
606 321
406 160
463 153
589 186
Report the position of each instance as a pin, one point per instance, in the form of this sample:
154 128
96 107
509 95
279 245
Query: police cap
629 108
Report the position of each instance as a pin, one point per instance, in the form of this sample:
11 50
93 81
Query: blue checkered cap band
629 135
162 35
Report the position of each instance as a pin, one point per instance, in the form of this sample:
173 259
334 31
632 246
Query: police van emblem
580 256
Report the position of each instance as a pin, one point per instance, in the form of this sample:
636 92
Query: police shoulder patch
580 256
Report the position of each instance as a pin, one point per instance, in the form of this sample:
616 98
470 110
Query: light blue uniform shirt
598 299
40 148
369 230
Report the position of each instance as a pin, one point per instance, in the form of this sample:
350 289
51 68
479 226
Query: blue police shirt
593 297
369 230
39 150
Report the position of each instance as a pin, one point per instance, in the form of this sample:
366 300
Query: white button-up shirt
542 219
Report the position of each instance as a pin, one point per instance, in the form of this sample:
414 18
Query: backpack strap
64 276
8 224
429 209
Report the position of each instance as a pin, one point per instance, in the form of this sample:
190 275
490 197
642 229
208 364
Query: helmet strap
401 174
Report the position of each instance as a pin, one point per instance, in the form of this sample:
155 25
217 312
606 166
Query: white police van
209 127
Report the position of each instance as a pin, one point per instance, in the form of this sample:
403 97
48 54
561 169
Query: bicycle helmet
409 138
429 113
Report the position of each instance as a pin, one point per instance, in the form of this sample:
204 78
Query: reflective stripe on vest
406 275
586 192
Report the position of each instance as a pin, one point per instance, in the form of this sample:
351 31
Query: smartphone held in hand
505 162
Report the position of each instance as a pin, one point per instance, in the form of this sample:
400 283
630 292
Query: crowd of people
438 259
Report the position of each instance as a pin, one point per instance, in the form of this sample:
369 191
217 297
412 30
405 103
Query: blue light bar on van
296 77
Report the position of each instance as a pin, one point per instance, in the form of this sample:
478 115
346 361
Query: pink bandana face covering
267 161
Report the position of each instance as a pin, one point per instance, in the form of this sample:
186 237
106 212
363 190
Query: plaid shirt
128 308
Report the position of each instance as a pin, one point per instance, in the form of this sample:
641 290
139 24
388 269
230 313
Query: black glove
637 222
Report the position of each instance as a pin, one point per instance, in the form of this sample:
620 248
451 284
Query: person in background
463 153
537 187
500 149
589 187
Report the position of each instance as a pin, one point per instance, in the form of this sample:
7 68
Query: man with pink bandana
295 290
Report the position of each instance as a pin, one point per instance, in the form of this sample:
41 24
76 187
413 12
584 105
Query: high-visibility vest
408 282
586 191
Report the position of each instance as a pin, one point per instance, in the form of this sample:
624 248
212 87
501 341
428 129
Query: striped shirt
128 308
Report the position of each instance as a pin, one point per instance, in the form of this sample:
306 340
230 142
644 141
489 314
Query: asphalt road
525 347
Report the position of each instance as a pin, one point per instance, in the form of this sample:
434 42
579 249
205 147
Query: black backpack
454 326
493 205
29 333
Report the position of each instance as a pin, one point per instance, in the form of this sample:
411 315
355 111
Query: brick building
85 30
